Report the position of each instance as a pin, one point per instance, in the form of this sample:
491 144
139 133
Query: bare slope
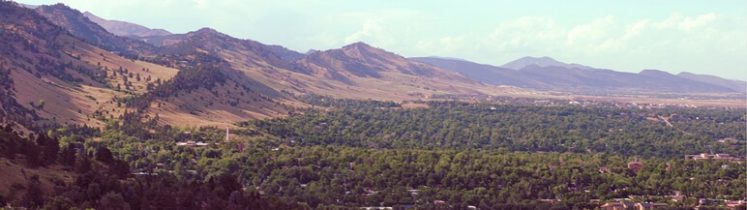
61 78
178 102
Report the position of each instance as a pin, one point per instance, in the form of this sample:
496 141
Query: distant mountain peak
60 4
362 50
543 58
56 7
542 61
122 28
360 46
655 72
360 60
357 45
207 30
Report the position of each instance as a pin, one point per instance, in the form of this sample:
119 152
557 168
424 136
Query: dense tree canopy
364 153
517 128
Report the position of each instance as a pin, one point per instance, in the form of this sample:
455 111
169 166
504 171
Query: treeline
327 101
514 127
105 182
489 179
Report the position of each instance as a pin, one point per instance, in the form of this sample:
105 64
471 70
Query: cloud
525 33
597 35
371 29
676 42
682 23
385 28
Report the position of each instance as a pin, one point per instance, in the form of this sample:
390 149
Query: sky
704 37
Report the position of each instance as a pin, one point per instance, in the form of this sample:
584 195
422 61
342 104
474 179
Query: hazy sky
708 37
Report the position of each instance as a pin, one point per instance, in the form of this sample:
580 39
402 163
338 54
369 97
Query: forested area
450 155
102 181
361 153
348 176
516 128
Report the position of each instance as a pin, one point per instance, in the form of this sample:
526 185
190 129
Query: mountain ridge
80 26
213 66
279 56
123 28
543 61
555 75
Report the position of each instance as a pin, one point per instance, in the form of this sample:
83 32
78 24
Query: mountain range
545 73
64 66
199 78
